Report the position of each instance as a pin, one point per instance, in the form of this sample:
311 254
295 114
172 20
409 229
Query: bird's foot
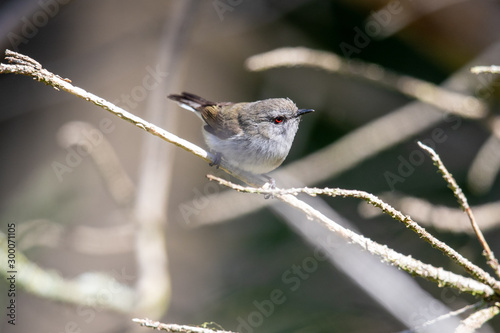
271 184
217 160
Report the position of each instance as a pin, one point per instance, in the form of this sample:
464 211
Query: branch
462 200
444 99
477 319
87 290
406 263
21 64
444 317
155 173
174 328
105 158
438 216
406 17
485 69
486 164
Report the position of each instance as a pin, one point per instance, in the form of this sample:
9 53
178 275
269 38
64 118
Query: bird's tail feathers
190 101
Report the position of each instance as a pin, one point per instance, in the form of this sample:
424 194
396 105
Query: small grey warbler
255 137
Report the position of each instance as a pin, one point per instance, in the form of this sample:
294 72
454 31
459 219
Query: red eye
278 120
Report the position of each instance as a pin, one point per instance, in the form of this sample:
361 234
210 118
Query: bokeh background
111 211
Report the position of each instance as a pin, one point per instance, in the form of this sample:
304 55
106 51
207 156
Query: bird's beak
302 112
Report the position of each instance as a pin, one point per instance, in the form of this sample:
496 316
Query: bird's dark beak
302 112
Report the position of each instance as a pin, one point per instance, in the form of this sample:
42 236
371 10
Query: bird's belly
257 156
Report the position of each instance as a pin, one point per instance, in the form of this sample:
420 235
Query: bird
253 136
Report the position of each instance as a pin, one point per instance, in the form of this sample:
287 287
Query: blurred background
132 221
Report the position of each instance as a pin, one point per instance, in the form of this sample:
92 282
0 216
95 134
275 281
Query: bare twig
444 317
485 69
444 99
88 289
82 238
118 183
438 216
484 168
288 196
174 328
486 164
477 319
156 171
462 200
410 14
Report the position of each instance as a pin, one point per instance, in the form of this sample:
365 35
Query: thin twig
116 179
88 289
477 319
444 317
406 17
174 328
444 99
439 217
486 164
462 200
155 173
485 69
288 196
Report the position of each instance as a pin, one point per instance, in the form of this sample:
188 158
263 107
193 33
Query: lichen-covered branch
404 262
24 65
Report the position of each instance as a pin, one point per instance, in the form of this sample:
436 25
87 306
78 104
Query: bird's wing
218 122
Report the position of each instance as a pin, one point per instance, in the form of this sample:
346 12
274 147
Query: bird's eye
278 120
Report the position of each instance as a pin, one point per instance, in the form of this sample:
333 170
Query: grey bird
253 136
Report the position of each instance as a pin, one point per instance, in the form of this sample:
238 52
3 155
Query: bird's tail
190 101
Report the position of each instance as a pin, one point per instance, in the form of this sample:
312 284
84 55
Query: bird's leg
272 186
271 181
217 160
